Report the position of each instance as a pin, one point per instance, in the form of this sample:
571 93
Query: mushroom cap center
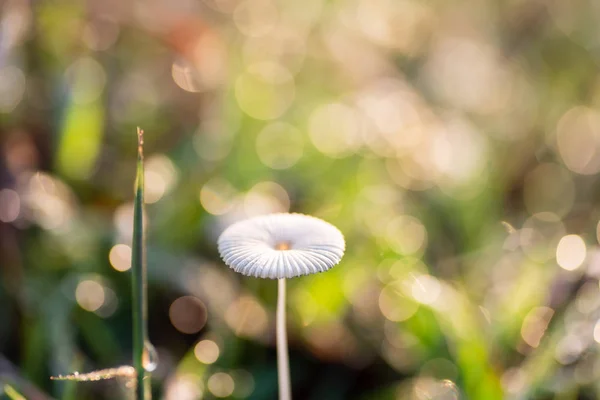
283 246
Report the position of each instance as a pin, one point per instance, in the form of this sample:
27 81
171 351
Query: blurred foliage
455 144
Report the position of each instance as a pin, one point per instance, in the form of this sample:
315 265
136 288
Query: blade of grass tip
138 278
12 393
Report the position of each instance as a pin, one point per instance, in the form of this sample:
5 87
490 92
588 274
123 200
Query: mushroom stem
283 363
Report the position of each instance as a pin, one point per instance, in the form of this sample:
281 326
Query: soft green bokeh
454 144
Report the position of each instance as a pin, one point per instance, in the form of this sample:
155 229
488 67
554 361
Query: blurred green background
456 144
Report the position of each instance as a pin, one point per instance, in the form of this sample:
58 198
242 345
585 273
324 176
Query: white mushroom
279 246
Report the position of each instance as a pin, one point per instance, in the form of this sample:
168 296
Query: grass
139 280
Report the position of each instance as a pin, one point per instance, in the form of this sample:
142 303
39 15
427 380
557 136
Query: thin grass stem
138 279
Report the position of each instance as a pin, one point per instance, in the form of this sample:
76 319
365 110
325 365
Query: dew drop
150 359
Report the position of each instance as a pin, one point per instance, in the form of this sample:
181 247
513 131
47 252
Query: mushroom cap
279 246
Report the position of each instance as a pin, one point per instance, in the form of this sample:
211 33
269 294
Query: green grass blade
12 393
139 277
